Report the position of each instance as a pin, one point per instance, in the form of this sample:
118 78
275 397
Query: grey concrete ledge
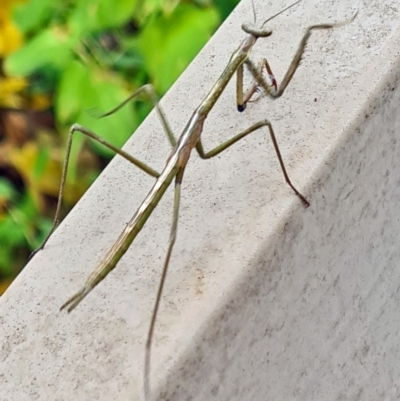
265 300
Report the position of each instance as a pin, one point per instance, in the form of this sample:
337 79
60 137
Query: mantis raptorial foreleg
272 90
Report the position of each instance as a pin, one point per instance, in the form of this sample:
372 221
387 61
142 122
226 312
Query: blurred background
62 62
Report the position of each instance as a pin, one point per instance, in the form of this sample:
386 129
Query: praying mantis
181 150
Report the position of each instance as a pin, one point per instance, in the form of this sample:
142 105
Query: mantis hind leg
146 89
172 239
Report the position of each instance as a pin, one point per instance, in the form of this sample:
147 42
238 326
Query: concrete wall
265 300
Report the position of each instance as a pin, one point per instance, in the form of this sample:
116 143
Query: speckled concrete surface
265 300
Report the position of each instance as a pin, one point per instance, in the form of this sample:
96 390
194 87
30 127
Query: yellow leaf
10 89
40 102
10 37
23 159
48 184
4 285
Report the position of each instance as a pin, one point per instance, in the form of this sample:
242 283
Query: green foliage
47 49
80 58
16 227
225 7
164 43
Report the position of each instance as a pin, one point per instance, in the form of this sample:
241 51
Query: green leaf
80 91
225 7
73 91
93 15
114 13
50 47
43 228
14 229
7 190
42 160
168 44
11 233
31 15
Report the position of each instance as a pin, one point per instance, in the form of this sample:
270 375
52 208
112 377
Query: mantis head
260 32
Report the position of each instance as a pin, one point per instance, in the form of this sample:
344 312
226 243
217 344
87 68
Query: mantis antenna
280 12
